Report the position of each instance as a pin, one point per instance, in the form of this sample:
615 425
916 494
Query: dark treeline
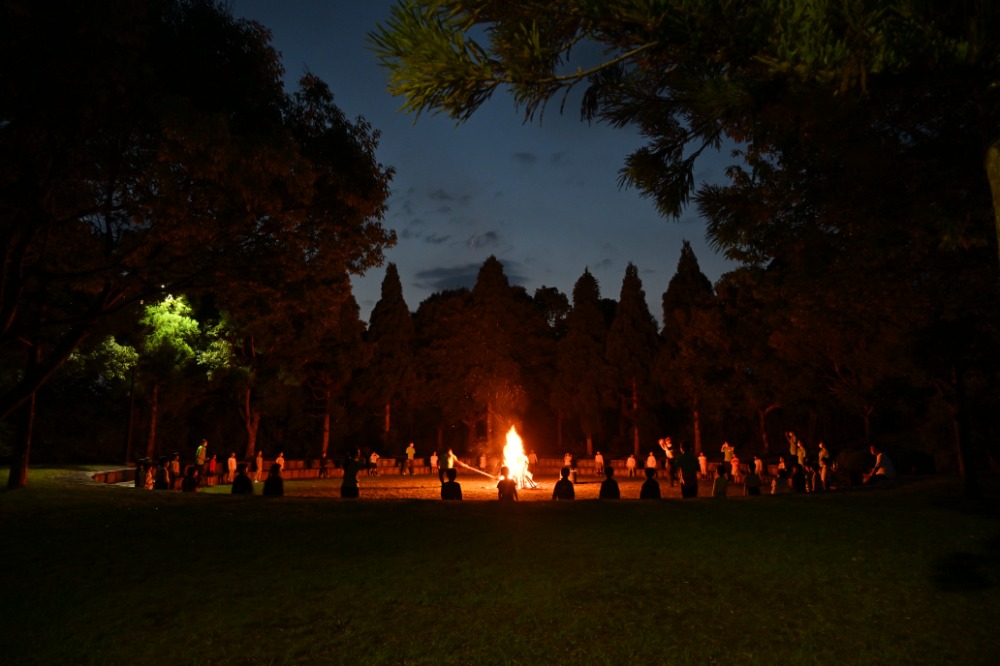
179 231
760 353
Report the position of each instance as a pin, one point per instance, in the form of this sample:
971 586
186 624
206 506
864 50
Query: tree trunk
762 421
131 418
868 410
590 446
326 424
635 417
489 426
387 425
963 439
251 422
559 432
154 408
18 476
993 174
696 424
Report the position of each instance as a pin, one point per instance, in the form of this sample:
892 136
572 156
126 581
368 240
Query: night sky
542 198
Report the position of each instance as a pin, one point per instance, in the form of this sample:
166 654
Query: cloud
526 159
440 195
435 239
442 278
480 241
463 276
604 263
557 158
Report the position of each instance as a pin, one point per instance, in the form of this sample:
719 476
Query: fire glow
515 460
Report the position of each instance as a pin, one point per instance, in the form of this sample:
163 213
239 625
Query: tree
582 375
687 362
333 365
632 344
689 73
151 144
391 375
860 130
167 348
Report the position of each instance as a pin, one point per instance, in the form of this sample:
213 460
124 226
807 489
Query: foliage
581 384
162 152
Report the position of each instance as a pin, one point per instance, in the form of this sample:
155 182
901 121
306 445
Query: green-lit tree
167 348
162 150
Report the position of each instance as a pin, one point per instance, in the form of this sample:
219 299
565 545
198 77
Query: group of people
167 474
800 474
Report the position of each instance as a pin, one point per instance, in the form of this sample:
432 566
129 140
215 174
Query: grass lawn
112 575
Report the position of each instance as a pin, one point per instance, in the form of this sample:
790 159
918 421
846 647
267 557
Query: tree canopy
151 146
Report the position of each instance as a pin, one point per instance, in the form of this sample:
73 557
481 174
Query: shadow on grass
968 572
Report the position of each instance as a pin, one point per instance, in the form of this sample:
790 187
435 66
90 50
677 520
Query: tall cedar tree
631 349
848 98
580 390
688 359
332 370
494 376
442 330
390 376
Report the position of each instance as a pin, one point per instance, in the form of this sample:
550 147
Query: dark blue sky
543 198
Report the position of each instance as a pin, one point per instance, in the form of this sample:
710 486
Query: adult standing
434 466
162 479
200 456
231 467
670 464
411 452
260 466
793 443
212 470
281 461
599 464
630 465
727 452
175 471
353 464
824 467
651 463
688 466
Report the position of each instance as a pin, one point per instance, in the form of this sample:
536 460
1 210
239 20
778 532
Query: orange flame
514 458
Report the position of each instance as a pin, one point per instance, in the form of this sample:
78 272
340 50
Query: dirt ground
474 487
